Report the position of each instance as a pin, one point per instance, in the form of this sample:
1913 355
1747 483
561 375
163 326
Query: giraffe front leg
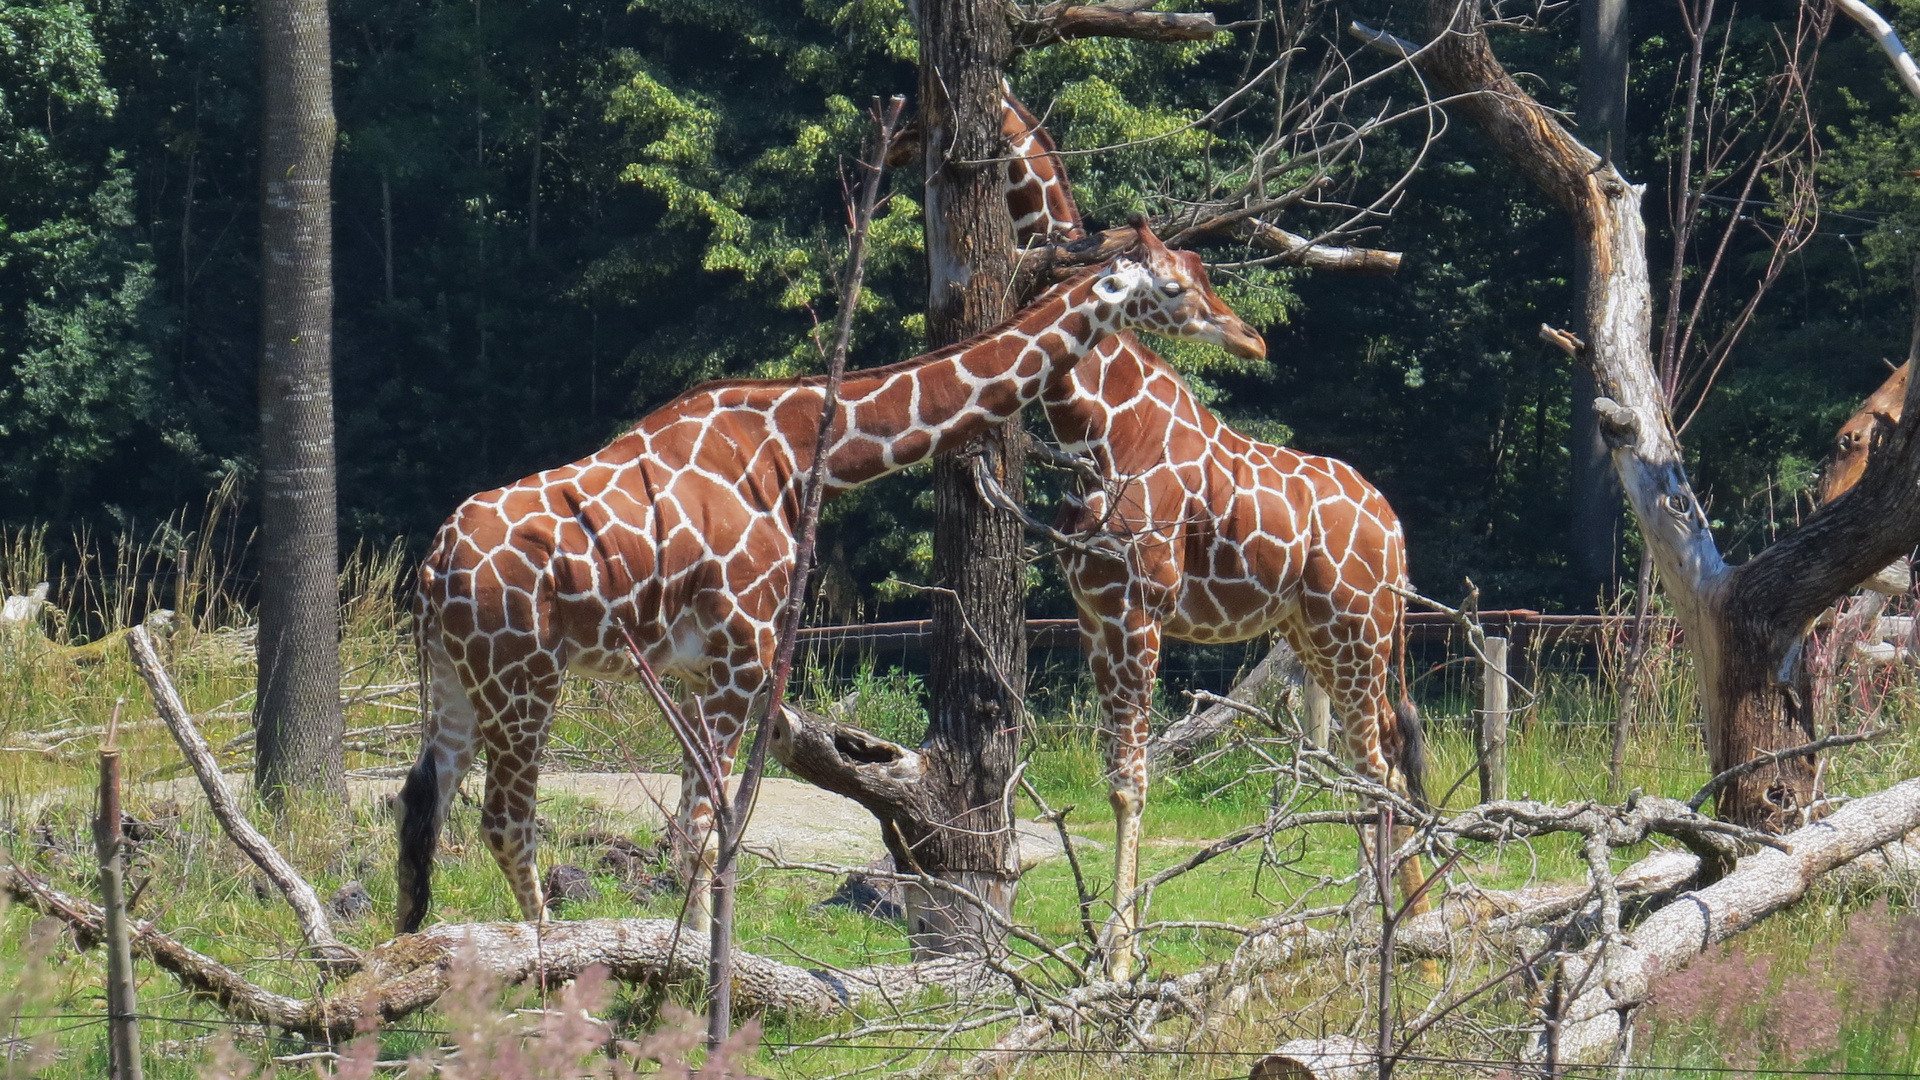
1125 658
719 715
695 847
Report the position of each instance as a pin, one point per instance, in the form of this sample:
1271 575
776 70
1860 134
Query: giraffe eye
1172 288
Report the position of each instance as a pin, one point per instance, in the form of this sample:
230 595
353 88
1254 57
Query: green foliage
688 203
76 283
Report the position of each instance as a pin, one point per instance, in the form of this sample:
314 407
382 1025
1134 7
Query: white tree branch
1889 40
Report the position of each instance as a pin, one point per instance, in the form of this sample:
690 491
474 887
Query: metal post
1319 715
1493 721
123 1041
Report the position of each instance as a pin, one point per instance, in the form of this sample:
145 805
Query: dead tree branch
409 973
1769 757
1596 1019
1115 18
1187 736
314 924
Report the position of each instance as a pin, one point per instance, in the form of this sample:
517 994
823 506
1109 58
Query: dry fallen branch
410 972
314 924
1596 1019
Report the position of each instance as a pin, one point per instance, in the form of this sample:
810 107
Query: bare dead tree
1745 625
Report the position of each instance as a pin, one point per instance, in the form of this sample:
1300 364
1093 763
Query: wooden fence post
1319 714
123 1029
1492 728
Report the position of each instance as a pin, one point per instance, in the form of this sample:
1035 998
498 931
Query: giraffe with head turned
1210 536
681 533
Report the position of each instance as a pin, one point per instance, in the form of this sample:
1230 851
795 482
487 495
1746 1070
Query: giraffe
1211 537
681 533
1855 438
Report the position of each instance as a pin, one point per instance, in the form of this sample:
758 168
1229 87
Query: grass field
59 690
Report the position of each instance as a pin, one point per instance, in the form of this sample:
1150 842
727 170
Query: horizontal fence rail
916 635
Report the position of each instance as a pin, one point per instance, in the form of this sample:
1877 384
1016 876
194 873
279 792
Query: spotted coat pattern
1213 537
682 532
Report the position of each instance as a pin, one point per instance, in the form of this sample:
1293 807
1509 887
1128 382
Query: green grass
204 892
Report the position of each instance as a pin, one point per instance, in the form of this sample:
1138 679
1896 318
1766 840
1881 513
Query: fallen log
411 972
1607 982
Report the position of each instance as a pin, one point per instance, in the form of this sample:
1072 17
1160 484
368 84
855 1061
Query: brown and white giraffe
681 532
1219 538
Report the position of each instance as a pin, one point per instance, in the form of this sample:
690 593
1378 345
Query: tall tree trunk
1745 625
979 654
1594 491
297 711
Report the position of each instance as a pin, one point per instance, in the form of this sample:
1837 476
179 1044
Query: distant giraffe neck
1121 375
1039 198
896 416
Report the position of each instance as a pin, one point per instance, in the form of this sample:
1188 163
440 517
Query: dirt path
798 821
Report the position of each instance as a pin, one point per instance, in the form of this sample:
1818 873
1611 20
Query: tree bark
297 711
1594 539
979 657
1745 625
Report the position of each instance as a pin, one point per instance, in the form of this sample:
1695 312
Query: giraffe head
1167 292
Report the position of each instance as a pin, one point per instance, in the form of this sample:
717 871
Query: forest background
553 216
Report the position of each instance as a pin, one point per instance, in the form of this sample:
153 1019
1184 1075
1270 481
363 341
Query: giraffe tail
418 806
1410 760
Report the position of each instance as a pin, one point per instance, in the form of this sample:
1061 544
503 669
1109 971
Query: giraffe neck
1121 408
1039 198
898 416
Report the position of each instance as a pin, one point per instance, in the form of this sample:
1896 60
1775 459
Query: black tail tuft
418 808
1413 752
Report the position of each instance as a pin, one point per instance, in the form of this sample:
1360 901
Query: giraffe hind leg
446 753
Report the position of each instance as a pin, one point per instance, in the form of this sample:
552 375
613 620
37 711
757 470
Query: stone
869 893
351 901
567 884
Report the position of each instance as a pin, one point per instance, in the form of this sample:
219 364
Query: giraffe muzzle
1239 339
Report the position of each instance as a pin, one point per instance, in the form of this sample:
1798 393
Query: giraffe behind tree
681 532
1209 536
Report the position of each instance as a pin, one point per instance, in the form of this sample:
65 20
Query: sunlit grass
201 890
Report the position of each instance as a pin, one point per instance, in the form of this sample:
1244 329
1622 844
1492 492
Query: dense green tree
76 283
552 217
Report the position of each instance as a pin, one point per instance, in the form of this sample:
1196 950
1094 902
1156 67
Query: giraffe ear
1114 286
